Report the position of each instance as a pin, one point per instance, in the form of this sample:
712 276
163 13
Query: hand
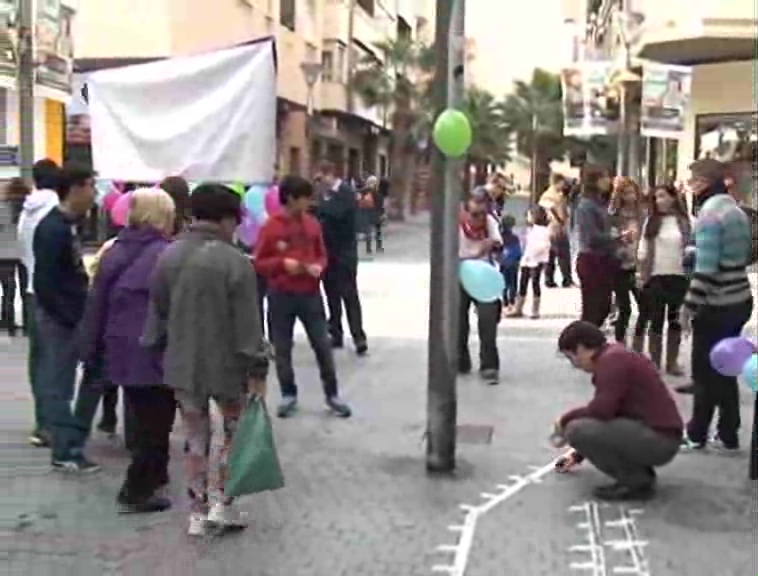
314 270
292 266
557 439
257 387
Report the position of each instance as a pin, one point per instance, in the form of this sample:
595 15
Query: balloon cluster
481 280
737 357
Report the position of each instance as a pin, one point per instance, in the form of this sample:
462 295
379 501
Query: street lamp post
442 407
312 72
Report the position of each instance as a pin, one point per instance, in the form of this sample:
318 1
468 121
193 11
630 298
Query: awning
700 50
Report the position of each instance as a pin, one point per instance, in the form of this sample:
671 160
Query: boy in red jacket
291 256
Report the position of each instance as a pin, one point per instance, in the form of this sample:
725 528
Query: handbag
253 465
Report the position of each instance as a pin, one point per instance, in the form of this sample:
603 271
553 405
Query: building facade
718 41
319 42
53 58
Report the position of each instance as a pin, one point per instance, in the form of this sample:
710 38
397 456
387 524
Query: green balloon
452 133
238 189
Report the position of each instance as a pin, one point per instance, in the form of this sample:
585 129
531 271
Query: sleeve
93 322
708 234
612 381
249 344
321 255
493 231
52 246
155 332
642 246
268 261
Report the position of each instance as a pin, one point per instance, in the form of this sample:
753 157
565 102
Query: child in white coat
535 257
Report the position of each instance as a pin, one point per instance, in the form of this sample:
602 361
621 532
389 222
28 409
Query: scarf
472 231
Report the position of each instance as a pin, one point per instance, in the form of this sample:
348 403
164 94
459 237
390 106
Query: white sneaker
226 516
198 525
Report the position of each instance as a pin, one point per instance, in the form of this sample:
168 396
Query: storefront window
732 138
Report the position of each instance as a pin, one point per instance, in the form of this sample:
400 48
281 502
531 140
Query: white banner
665 100
210 117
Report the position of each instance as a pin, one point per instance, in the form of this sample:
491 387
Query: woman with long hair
113 325
662 275
626 221
596 263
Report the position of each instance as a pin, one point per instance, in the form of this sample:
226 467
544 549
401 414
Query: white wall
716 89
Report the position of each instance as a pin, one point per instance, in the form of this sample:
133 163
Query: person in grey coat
203 314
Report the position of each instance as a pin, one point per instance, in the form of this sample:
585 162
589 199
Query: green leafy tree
492 134
399 83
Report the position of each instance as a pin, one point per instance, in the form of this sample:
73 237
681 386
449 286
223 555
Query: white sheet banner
210 117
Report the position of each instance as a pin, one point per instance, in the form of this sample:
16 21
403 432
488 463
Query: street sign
8 156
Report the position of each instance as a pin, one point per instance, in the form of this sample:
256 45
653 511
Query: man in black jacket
337 210
60 286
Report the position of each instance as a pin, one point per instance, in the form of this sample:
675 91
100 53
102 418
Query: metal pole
349 57
25 51
533 164
442 406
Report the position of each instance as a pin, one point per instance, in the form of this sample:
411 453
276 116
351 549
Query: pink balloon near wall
272 201
120 211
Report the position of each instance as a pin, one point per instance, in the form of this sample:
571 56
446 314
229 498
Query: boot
673 342
535 308
655 347
518 308
638 344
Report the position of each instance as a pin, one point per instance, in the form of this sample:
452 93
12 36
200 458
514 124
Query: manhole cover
475 434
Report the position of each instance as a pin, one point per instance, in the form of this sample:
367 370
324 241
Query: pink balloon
110 200
120 211
272 201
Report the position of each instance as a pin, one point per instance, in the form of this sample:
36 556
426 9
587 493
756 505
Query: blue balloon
481 280
255 201
750 373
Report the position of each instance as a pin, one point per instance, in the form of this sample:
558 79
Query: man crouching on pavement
632 424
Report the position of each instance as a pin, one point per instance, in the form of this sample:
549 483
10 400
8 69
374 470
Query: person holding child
535 257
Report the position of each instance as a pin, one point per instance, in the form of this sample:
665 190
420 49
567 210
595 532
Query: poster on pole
590 107
208 117
8 14
54 45
666 94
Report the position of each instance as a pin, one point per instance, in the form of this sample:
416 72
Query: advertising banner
54 45
590 107
666 93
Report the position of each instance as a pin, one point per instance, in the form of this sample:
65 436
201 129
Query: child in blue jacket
510 256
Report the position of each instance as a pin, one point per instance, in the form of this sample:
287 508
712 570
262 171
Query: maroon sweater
627 385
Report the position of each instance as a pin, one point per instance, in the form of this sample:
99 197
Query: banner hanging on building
590 104
54 45
666 93
206 117
8 14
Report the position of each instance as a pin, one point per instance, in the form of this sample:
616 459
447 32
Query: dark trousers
376 228
488 314
713 390
10 286
284 310
596 276
33 360
624 288
510 276
56 380
341 286
153 409
626 450
661 301
560 251
531 275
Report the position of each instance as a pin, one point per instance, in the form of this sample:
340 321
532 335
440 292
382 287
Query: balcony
692 32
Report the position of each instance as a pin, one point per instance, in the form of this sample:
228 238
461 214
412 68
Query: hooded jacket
10 247
117 309
36 207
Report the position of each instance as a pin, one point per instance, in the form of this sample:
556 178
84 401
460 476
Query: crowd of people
148 314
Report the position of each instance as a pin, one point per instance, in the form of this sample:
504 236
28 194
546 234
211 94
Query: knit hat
708 169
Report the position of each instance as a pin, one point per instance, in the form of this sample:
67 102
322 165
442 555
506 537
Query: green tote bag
253 463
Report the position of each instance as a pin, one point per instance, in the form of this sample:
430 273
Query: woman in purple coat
112 327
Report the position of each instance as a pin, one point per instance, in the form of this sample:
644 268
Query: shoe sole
76 471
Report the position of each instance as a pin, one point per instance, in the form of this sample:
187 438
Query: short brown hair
581 333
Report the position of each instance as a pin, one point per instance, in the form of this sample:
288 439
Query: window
339 64
327 62
287 13
295 160
3 116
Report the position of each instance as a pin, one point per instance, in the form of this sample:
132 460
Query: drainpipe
25 62
349 91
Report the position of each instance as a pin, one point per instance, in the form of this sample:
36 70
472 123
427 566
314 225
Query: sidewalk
357 501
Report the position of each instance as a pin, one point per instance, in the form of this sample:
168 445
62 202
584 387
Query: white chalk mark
592 526
445 569
447 548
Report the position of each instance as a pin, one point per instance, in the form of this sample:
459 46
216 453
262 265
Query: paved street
357 501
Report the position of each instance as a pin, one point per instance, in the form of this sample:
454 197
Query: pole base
437 465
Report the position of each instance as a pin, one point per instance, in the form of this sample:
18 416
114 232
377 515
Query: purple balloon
728 357
248 231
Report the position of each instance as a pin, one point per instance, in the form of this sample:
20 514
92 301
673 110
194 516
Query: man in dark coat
337 210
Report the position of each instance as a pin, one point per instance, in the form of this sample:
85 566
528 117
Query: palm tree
492 134
397 83
534 113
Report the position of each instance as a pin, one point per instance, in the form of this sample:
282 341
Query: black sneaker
40 439
723 447
287 407
78 465
338 343
361 348
687 389
339 407
491 377
146 506
622 493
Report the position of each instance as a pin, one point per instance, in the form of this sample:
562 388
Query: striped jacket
723 244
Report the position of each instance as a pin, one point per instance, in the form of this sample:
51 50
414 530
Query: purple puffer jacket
117 309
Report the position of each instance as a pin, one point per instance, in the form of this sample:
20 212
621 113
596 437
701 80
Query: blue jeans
56 380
